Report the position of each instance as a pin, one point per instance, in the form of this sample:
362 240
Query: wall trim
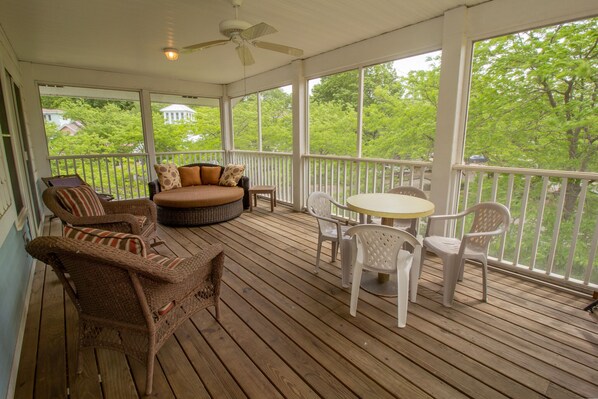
12 381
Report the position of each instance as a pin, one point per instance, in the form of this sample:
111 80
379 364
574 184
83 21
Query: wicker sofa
200 205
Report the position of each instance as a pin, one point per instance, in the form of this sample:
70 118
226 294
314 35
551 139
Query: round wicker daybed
199 205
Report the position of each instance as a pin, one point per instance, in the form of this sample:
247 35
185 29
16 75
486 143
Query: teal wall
15 266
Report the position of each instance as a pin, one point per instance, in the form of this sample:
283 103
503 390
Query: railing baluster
480 187
557 226
591 257
539 220
522 215
580 205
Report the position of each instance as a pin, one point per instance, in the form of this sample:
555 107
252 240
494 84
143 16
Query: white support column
148 130
226 123
452 101
299 132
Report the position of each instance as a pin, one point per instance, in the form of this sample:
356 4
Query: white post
148 131
299 132
452 100
226 123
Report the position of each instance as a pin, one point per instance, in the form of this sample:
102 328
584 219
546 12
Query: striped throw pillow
80 201
124 241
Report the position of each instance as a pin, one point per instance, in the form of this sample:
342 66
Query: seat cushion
198 196
80 201
124 241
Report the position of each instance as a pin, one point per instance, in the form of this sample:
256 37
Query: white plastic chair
319 205
378 249
490 219
409 225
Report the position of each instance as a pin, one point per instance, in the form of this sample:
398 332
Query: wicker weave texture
120 215
119 295
199 216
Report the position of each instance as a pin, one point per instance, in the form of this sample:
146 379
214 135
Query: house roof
177 108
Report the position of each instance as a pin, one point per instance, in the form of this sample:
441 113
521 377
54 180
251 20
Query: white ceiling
128 35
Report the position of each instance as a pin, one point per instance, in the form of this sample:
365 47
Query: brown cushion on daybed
198 196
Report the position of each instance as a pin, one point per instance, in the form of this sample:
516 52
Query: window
333 106
92 121
7 177
398 111
277 120
532 99
263 121
185 123
103 125
399 108
245 123
533 105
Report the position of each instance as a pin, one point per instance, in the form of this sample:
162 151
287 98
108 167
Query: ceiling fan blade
245 55
297 52
258 30
201 46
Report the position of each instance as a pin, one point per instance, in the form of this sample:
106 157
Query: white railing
342 177
554 230
125 176
268 168
185 158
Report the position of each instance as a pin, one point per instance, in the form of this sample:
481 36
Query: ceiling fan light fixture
171 53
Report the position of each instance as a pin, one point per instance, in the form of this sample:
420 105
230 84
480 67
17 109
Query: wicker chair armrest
244 184
154 188
127 218
211 254
140 207
43 248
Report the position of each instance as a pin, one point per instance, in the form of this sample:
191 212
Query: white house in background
177 112
63 124
55 116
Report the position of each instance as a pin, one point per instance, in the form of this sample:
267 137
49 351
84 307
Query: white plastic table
388 207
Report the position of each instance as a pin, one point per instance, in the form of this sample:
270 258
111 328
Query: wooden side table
253 191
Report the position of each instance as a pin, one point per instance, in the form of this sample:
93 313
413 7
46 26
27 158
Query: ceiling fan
243 33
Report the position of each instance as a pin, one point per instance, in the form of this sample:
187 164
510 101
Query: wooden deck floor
287 333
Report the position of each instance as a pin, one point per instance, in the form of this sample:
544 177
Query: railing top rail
261 152
135 154
380 160
190 152
527 171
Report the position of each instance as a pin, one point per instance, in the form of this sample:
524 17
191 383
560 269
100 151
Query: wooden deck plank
51 373
86 384
248 376
26 375
116 378
378 349
507 384
214 374
181 375
286 332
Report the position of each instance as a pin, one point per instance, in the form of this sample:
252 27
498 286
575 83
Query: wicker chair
121 216
127 302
